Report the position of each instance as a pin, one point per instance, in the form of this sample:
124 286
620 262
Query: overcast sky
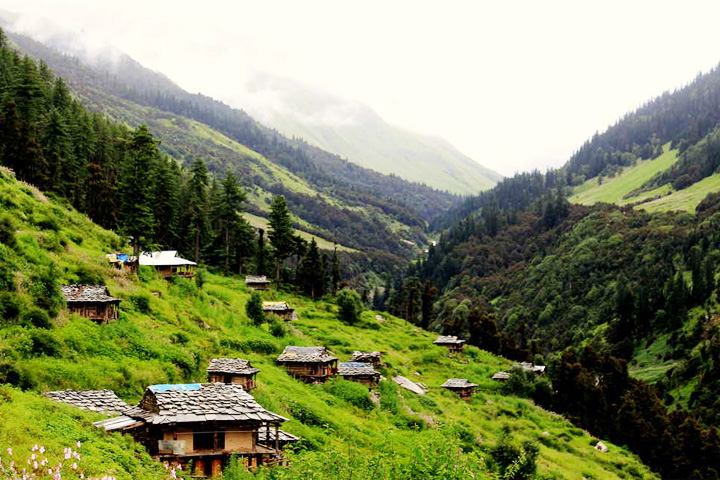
515 85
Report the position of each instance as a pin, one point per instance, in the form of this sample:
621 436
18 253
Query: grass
686 199
613 190
260 222
184 326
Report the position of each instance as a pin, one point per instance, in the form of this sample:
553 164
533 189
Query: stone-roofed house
368 357
309 364
359 372
232 370
202 423
453 343
101 401
91 301
501 376
257 282
281 309
530 367
168 264
461 386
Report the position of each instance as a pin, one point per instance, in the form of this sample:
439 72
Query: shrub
351 392
141 302
7 231
36 318
46 223
200 277
350 306
89 276
389 398
44 343
258 346
277 329
254 310
308 416
10 306
512 462
10 374
45 290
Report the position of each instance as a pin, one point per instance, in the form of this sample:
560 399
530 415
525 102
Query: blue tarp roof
166 387
353 364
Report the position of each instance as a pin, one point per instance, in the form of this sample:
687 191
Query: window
208 441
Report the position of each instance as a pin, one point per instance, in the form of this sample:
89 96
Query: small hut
122 260
530 367
501 376
91 301
281 309
205 424
309 364
461 386
168 264
268 436
232 371
375 358
359 372
453 343
102 401
256 282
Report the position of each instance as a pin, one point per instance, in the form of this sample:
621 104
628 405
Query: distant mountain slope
355 131
333 198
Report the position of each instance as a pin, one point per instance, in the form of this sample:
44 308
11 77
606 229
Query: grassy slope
614 190
260 222
185 326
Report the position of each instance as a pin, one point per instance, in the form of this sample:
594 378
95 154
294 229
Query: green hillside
356 132
167 331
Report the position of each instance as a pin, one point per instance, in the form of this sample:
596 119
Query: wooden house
453 343
375 358
202 423
91 301
359 372
309 364
530 367
101 401
232 371
461 386
256 282
168 264
281 309
501 376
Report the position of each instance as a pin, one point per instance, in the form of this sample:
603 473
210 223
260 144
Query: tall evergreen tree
136 188
281 234
196 215
335 279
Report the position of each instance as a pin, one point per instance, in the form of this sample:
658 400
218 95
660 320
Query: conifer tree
261 254
229 223
136 190
335 271
166 206
281 234
196 215
310 277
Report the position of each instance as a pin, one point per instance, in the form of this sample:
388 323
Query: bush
258 346
36 318
308 416
388 397
200 276
351 392
141 302
512 462
10 374
277 329
45 290
7 231
254 310
10 307
350 306
44 343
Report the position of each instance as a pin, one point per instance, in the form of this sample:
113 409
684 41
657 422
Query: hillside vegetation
167 331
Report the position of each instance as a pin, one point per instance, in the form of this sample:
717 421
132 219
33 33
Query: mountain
334 199
168 330
354 131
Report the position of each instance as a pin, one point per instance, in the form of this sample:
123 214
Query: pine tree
310 278
335 271
261 254
136 187
228 221
426 303
281 234
167 202
196 215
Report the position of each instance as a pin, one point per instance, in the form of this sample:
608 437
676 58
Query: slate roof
305 355
458 383
103 401
530 367
256 279
501 376
276 306
185 403
166 258
351 369
365 356
87 294
283 436
235 366
448 339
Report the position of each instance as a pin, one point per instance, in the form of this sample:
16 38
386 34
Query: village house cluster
201 425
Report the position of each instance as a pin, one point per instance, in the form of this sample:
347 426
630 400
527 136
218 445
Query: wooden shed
309 364
91 301
530 367
202 423
281 309
257 282
232 371
375 358
453 343
359 372
168 264
461 386
101 401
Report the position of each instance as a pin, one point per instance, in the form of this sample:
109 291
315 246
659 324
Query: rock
601 447
545 434
408 384
379 318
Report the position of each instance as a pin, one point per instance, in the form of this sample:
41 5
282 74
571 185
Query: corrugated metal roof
448 339
165 258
